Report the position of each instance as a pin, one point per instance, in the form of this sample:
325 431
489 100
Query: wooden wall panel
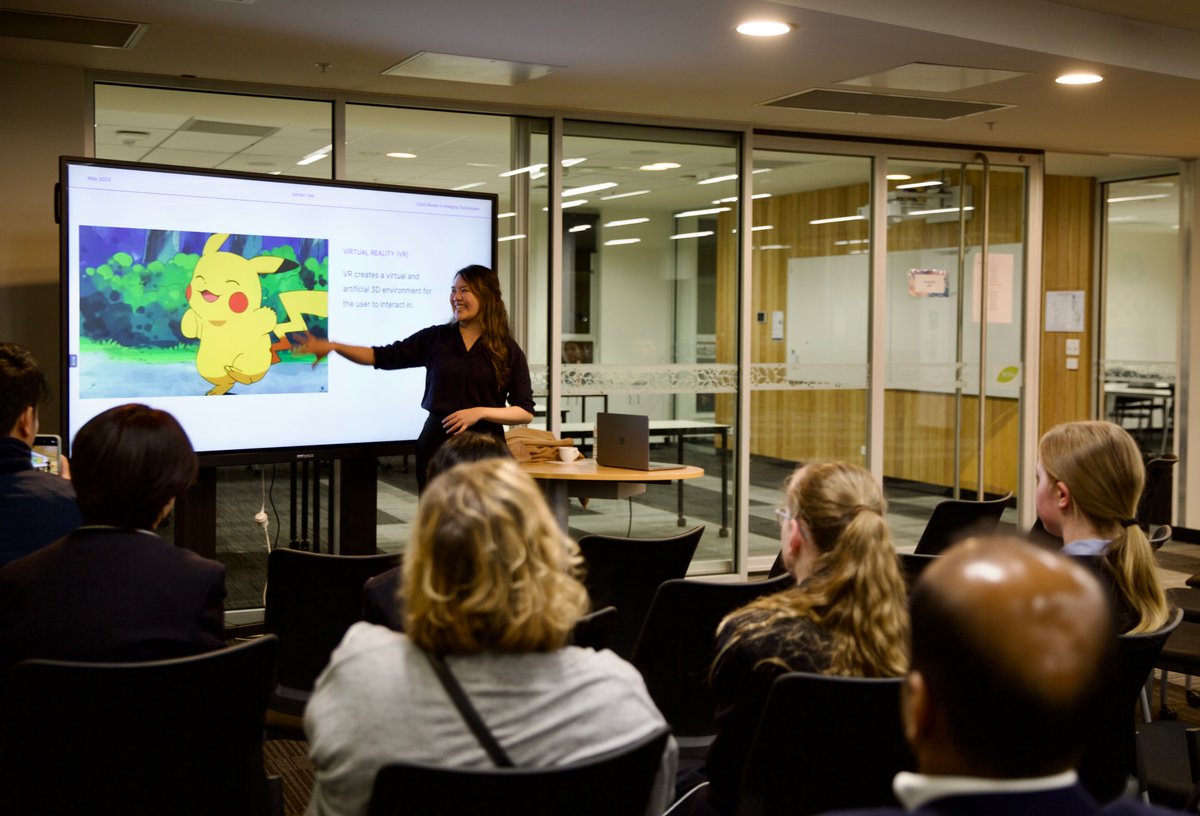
1068 261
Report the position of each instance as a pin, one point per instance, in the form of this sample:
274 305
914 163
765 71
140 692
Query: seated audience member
35 507
1009 646
381 601
1090 476
845 617
489 585
113 590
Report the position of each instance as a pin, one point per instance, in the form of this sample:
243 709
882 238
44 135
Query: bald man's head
1009 644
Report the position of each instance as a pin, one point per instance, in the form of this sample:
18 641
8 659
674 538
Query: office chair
1110 756
955 519
618 783
312 599
825 743
675 650
180 736
626 572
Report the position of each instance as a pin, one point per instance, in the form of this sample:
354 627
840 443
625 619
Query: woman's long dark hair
493 318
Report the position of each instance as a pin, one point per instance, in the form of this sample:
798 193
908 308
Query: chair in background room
955 519
618 783
626 572
1110 756
675 650
180 736
825 743
312 599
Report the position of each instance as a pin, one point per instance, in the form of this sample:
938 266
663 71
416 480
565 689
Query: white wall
45 117
1141 305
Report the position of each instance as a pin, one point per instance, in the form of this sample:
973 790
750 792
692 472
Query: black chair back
626 572
1109 758
825 743
595 629
912 565
955 519
675 650
180 736
312 599
1154 505
618 783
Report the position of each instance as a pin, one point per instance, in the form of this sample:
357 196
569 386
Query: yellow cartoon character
227 316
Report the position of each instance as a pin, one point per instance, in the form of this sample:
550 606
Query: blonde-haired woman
846 616
489 585
1090 477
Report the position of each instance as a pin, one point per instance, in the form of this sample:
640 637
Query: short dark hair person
468 446
1010 645
22 384
128 463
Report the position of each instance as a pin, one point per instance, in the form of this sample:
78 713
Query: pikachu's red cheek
238 302
187 293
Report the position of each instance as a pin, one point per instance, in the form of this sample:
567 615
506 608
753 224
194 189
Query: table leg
557 498
724 454
681 521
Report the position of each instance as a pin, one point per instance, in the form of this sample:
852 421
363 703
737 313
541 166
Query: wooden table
586 479
679 428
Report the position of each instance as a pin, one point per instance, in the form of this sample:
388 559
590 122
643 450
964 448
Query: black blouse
455 377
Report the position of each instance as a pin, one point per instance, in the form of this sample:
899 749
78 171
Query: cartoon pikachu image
225 313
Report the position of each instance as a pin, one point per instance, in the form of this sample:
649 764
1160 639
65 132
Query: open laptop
623 440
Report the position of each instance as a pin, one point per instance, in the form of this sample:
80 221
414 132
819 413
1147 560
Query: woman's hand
314 345
459 421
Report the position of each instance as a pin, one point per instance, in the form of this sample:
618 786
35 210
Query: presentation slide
186 290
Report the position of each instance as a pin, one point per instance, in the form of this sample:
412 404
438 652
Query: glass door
955 230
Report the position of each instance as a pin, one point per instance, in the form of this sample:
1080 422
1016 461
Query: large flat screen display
185 289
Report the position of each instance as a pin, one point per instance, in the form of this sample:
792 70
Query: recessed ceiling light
588 188
764 28
401 155
619 241
717 179
701 234
898 177
625 222
709 211
531 169
516 237
660 166
838 219
572 162
918 184
623 195
580 228
507 215
1079 79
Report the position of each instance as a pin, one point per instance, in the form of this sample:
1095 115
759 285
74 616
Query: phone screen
46 449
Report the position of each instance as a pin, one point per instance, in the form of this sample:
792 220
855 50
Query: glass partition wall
861 260
649 219
837 296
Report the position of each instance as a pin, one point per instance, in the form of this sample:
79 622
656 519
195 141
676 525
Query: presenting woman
476 375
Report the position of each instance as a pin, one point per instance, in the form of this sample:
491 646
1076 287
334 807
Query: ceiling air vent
33 25
227 128
871 104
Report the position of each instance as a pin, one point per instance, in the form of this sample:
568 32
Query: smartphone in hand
47 453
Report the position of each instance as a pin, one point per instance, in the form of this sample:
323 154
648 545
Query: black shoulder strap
468 712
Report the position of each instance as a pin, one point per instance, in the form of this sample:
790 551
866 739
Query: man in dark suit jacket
1009 645
113 590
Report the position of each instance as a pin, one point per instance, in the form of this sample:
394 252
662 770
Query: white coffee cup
569 454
